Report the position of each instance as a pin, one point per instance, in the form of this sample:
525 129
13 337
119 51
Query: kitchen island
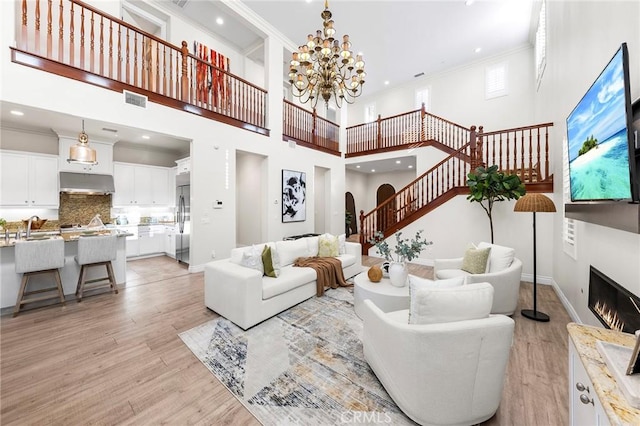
10 280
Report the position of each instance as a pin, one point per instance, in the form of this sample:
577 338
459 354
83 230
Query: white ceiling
398 39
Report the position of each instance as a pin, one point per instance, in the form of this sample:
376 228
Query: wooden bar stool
96 251
38 257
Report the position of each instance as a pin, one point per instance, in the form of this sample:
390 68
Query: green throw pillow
475 260
267 262
328 246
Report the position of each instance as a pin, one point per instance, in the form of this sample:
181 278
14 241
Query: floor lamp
535 203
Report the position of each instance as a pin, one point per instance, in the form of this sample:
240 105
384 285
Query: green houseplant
489 185
405 251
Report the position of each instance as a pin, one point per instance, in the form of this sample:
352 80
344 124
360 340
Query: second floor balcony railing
308 129
100 49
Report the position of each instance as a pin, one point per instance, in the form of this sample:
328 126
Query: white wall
458 95
579 48
44 142
250 172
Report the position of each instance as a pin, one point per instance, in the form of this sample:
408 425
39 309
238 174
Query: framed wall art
294 196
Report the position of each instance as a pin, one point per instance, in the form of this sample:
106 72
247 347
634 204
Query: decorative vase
398 274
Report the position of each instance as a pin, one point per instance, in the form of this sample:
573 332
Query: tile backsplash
81 208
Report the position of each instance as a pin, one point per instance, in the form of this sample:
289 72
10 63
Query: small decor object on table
405 251
375 274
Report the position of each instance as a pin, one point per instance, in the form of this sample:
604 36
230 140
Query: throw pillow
289 251
267 263
500 257
342 246
475 260
253 259
430 305
312 246
328 246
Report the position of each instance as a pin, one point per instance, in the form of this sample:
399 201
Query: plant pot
398 274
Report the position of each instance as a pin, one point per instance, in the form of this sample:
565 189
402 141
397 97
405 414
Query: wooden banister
114 54
309 129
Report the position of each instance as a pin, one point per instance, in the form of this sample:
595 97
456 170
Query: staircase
522 151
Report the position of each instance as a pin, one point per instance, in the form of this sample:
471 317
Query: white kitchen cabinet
585 407
123 179
184 165
140 185
104 156
151 239
29 180
170 241
160 186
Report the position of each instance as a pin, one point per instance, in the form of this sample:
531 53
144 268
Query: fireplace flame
609 316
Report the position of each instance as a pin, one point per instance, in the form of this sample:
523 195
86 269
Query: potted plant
488 185
405 251
348 217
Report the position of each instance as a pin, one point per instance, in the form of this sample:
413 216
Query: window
370 113
568 225
422 97
496 81
541 43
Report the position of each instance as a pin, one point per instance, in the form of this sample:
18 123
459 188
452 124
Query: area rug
304 366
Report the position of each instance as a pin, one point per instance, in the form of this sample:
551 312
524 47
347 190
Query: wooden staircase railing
308 129
81 42
522 151
434 187
414 128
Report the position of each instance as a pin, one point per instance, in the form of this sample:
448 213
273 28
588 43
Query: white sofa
246 297
449 373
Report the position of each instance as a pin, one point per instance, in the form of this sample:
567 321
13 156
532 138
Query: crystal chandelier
323 67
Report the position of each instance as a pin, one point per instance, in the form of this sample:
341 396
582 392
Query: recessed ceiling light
410 166
373 170
16 112
398 162
469 2
358 166
219 21
386 82
146 137
478 49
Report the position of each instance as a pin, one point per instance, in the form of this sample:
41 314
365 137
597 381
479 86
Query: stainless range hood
86 183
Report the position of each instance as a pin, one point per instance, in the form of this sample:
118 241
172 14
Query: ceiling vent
135 99
179 3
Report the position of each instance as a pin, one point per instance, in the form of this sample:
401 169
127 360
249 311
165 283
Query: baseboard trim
541 279
565 302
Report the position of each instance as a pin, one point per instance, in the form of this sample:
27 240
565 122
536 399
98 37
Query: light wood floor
117 359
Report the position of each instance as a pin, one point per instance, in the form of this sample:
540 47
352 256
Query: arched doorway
350 206
386 216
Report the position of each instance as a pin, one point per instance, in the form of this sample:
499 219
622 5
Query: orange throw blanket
328 269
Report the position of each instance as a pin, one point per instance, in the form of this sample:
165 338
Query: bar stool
38 257
96 251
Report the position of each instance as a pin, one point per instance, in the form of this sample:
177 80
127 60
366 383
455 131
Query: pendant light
81 152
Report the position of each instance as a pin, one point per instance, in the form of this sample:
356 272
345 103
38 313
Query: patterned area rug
304 366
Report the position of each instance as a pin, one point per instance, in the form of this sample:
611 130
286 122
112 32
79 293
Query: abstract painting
294 193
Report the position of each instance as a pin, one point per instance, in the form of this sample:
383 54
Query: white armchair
503 273
439 374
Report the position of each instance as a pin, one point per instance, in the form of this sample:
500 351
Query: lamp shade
534 202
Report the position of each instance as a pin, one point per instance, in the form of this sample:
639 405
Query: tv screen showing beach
598 139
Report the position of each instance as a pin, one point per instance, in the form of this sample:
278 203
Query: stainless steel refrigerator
183 218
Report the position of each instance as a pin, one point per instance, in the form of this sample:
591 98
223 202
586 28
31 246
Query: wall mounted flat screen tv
599 135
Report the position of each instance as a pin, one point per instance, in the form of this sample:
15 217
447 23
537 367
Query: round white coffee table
385 296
